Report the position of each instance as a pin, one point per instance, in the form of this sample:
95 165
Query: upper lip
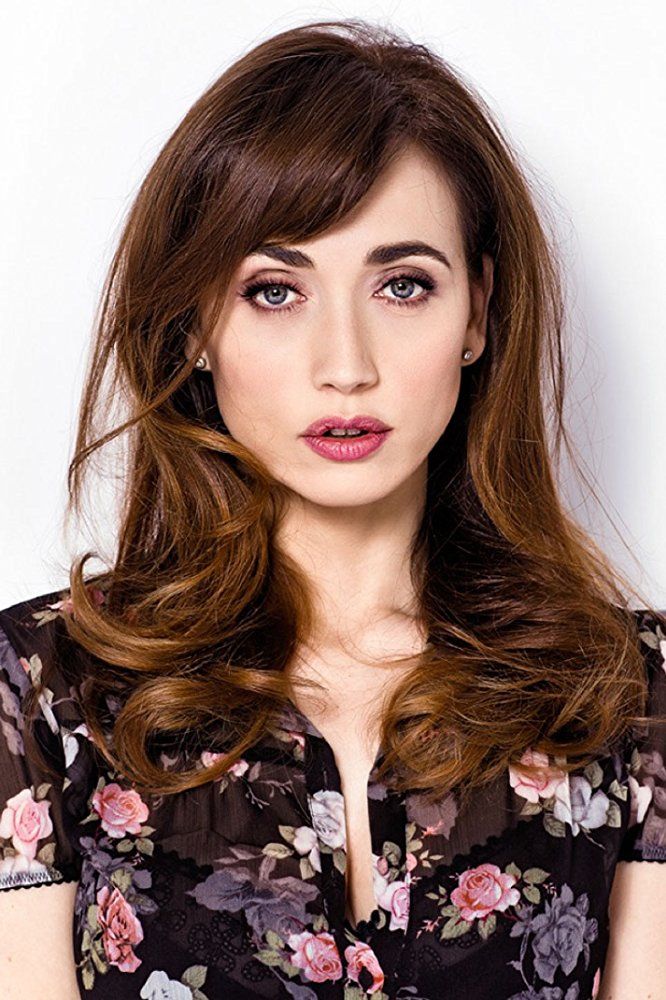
362 423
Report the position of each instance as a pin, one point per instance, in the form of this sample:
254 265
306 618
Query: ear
191 349
481 289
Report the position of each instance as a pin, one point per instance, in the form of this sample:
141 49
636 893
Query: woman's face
345 326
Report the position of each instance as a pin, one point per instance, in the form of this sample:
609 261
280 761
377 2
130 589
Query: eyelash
252 289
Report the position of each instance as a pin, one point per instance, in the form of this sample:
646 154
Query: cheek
429 372
251 389
430 387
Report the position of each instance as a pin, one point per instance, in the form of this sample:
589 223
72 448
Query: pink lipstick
363 435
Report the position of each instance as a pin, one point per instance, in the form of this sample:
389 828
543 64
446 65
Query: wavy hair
530 644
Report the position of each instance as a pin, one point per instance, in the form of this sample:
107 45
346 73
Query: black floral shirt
236 889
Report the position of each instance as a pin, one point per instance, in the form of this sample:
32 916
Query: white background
91 91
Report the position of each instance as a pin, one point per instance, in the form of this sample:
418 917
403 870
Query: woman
357 710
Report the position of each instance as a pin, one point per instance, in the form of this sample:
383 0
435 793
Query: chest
355 751
157 902
349 719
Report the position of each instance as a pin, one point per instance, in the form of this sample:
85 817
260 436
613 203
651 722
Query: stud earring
200 363
468 354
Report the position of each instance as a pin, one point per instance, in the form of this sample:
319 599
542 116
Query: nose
344 352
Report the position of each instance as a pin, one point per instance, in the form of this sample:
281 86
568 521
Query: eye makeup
252 289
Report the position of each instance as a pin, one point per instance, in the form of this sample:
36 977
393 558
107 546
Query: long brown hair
530 644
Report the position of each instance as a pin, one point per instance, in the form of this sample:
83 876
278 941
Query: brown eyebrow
386 253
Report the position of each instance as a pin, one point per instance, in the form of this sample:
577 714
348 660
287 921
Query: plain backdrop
90 93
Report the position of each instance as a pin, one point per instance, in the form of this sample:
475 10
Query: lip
362 422
346 449
349 449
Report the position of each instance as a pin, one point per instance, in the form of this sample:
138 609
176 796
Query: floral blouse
236 889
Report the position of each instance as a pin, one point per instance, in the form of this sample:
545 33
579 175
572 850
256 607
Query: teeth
342 432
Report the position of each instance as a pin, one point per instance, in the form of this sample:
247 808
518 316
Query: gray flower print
587 810
561 933
548 993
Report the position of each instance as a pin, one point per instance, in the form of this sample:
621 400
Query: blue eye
250 291
274 292
411 280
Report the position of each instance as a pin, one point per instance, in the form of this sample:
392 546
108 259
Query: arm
636 961
37 959
36 954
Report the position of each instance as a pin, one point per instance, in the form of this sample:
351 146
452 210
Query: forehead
411 202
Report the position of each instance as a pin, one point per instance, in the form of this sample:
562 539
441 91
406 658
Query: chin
350 496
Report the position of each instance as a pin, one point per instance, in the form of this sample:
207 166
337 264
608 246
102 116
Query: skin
343 351
350 347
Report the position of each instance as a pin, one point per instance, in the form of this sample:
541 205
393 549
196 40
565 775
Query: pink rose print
596 984
394 897
15 863
410 861
240 767
482 890
209 757
543 785
317 955
121 810
382 865
360 956
26 822
67 605
121 930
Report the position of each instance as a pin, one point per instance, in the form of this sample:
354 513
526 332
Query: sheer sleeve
645 837
34 844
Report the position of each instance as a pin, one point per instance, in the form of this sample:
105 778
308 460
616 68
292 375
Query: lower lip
347 449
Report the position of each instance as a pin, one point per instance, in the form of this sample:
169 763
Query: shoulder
36 649
48 764
44 677
645 839
28 629
651 627
28 621
651 630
